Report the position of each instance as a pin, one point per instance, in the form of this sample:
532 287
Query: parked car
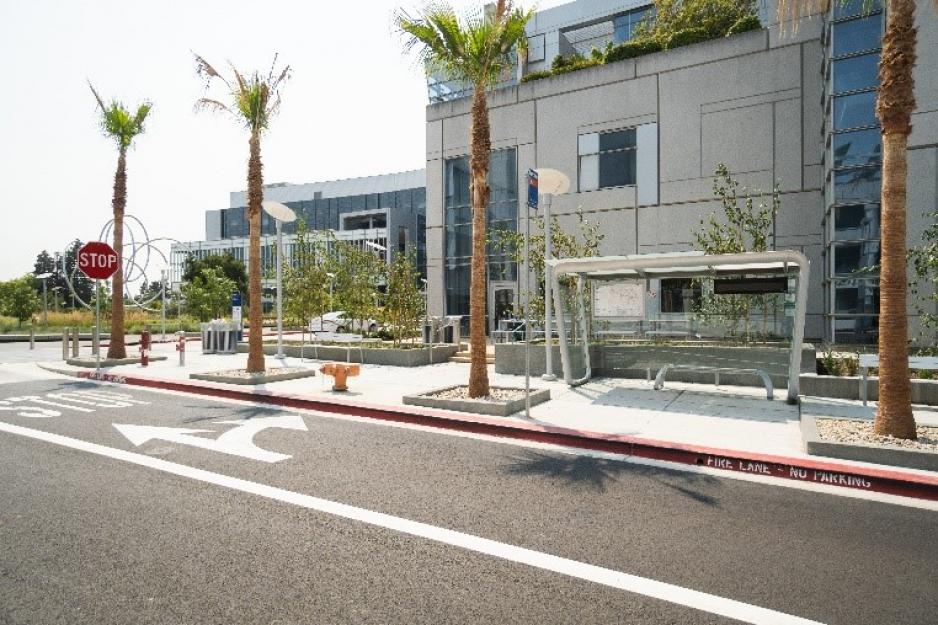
336 321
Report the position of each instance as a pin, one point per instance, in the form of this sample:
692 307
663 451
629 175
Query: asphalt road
88 538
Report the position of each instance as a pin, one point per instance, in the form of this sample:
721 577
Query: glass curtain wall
853 159
502 214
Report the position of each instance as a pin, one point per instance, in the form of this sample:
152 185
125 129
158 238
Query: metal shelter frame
678 265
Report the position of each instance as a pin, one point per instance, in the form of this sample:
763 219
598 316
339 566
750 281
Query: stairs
463 355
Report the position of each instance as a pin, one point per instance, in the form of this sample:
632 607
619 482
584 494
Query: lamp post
550 183
281 214
45 300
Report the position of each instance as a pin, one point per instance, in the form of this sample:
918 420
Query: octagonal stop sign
98 260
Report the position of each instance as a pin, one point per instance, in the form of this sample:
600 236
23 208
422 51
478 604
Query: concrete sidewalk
727 421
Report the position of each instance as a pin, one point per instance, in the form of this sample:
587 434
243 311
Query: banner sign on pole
532 189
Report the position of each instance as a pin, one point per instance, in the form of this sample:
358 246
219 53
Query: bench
766 379
872 360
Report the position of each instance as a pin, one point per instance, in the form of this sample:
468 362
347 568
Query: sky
354 106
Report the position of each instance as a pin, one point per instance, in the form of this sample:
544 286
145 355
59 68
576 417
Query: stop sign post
98 260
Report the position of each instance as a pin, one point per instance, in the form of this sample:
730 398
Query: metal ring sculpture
136 257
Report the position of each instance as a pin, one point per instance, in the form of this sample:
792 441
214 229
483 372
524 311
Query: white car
336 321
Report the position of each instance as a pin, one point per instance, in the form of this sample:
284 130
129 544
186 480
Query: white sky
355 106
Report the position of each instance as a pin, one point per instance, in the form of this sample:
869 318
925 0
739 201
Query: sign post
532 203
99 261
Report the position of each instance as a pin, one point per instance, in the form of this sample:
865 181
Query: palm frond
203 104
101 102
204 68
142 111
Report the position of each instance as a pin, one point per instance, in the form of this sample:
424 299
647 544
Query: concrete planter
497 409
414 357
923 391
254 378
89 361
893 456
640 361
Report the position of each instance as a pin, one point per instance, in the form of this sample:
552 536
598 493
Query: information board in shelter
619 299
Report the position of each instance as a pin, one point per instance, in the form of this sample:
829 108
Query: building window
852 8
607 159
858 148
624 25
856 73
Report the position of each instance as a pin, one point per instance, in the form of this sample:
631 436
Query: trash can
208 338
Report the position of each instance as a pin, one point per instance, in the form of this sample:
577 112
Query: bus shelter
751 266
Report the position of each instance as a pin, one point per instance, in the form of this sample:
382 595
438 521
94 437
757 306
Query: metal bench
872 360
766 379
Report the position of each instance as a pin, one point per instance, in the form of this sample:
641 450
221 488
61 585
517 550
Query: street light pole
281 214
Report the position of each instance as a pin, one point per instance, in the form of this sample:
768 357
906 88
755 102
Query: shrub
564 64
536 75
632 49
745 24
714 17
687 37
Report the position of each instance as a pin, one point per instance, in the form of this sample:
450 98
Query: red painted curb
799 469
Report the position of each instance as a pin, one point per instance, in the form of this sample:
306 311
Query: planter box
640 361
497 409
254 378
894 456
415 357
923 391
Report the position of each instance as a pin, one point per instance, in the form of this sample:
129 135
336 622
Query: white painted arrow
236 441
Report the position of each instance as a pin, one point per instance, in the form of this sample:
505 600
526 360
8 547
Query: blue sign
532 189
236 299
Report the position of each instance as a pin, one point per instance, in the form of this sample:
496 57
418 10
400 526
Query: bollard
145 343
95 340
75 332
32 336
181 348
65 332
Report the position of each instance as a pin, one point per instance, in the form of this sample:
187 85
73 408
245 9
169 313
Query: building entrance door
502 299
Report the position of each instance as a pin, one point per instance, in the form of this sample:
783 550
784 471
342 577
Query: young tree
208 294
476 49
122 127
404 302
358 273
744 227
895 102
18 298
925 264
306 280
252 100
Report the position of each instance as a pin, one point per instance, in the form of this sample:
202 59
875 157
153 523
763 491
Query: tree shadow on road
229 412
596 473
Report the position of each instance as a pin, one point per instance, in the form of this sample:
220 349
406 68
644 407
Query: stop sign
98 260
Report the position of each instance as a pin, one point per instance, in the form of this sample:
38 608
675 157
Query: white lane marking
663 591
826 489
237 441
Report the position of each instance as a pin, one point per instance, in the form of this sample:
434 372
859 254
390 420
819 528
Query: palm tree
895 102
253 101
118 124
477 50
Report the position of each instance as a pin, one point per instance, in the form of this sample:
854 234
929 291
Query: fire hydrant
145 344
340 372
181 348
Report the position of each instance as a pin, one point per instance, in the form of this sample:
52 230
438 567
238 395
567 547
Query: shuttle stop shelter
748 265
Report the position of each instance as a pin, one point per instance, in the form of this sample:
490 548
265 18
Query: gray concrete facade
754 101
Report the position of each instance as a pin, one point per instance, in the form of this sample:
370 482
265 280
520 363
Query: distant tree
83 285
230 267
122 127
208 295
18 298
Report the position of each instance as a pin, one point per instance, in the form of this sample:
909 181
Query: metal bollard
65 332
181 348
95 340
32 336
75 332
145 345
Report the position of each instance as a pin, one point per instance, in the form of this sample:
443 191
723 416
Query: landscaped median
837 474
366 353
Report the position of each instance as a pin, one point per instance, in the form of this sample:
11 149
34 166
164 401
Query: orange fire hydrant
145 345
340 372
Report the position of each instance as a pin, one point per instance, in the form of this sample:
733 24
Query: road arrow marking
237 441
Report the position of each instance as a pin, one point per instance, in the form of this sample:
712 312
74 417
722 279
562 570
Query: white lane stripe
632 583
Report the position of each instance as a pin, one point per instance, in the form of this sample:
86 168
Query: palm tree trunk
116 347
894 106
480 149
256 314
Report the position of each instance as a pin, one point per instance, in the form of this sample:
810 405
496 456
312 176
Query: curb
870 479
